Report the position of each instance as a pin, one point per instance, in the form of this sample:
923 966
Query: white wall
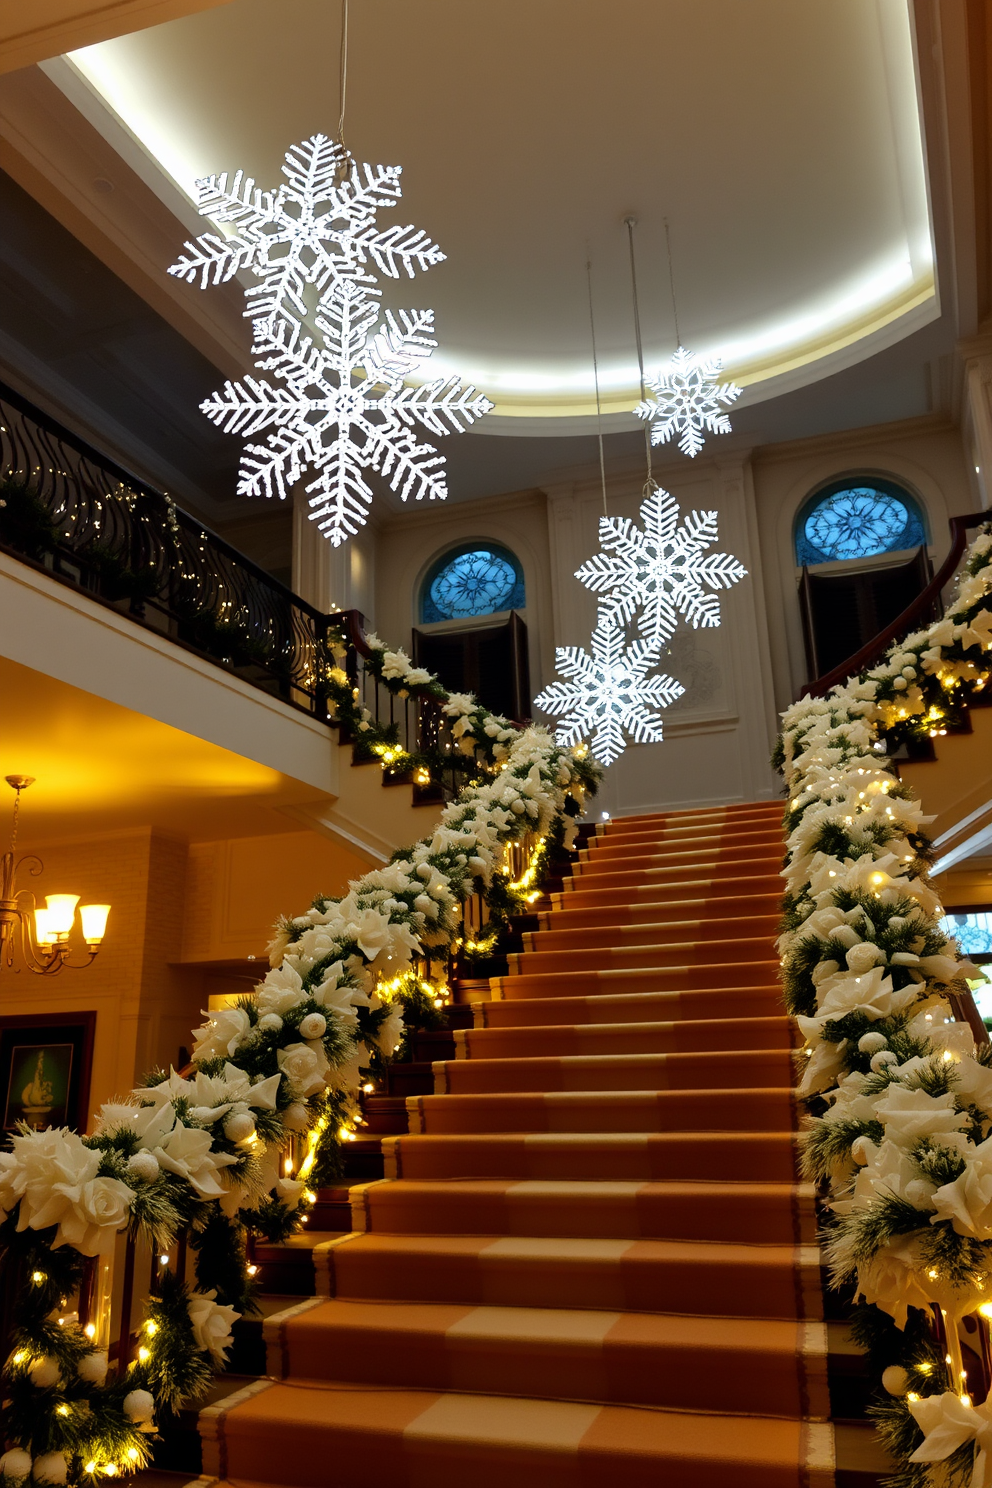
719 736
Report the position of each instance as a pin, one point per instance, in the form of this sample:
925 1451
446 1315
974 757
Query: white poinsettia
910 1115
189 1153
221 1035
967 1202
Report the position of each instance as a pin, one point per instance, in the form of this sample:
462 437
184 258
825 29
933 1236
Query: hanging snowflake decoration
687 400
661 571
608 693
341 408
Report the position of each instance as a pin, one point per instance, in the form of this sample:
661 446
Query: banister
872 651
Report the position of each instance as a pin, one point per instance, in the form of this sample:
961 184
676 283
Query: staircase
590 1260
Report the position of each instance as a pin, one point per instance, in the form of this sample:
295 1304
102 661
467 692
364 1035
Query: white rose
313 1026
212 1324
303 1068
863 957
270 1022
101 1209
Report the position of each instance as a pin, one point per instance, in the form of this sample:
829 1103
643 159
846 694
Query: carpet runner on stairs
590 1261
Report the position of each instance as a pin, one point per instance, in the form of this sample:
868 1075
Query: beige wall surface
739 677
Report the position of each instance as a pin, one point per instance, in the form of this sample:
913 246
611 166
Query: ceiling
780 140
103 768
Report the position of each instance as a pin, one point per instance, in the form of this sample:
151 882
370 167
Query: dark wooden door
489 661
841 612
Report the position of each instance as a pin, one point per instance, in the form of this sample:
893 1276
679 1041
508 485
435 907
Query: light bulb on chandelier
42 933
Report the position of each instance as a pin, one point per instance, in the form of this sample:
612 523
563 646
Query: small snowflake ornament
340 408
607 694
663 571
687 400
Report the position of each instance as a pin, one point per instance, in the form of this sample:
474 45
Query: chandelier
43 932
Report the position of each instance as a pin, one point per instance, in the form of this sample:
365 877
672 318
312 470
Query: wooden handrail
873 650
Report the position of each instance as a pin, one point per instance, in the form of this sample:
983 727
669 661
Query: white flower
212 1324
221 1035
304 1068
863 957
891 1281
390 1033
289 1191
313 1026
967 1202
947 1423
188 1152
281 991
61 1188
270 1022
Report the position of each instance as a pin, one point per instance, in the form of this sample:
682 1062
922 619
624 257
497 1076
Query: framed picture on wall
45 1061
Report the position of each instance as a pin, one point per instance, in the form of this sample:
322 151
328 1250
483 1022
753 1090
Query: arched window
480 578
858 519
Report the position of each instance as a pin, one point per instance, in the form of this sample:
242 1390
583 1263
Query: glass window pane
859 520
972 930
481 581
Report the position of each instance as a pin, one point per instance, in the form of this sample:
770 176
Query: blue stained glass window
858 519
480 579
972 930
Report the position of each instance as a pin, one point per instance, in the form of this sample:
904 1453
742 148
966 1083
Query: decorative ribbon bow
947 1423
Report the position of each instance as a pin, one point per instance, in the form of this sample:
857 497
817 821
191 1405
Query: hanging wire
343 82
630 223
595 373
671 285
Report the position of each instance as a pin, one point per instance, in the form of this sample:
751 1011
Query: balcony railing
74 513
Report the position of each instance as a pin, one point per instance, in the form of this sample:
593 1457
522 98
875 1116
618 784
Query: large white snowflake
339 408
687 400
343 410
662 570
608 693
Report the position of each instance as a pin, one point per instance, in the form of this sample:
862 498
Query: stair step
708 951
706 1070
594 893
633 1007
767 1366
745 845
630 1157
326 1436
646 932
715 1277
605 1111
677 1036
587 877
565 918
760 1213
720 976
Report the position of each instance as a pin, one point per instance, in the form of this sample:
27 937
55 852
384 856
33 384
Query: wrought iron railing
71 511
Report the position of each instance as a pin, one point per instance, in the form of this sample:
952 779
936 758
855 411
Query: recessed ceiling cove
782 142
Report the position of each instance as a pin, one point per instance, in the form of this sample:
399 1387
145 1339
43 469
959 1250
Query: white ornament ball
270 1022
143 1165
50 1467
93 1367
16 1465
882 1058
861 1149
870 1043
139 1406
296 1117
239 1126
44 1372
895 1380
313 1026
